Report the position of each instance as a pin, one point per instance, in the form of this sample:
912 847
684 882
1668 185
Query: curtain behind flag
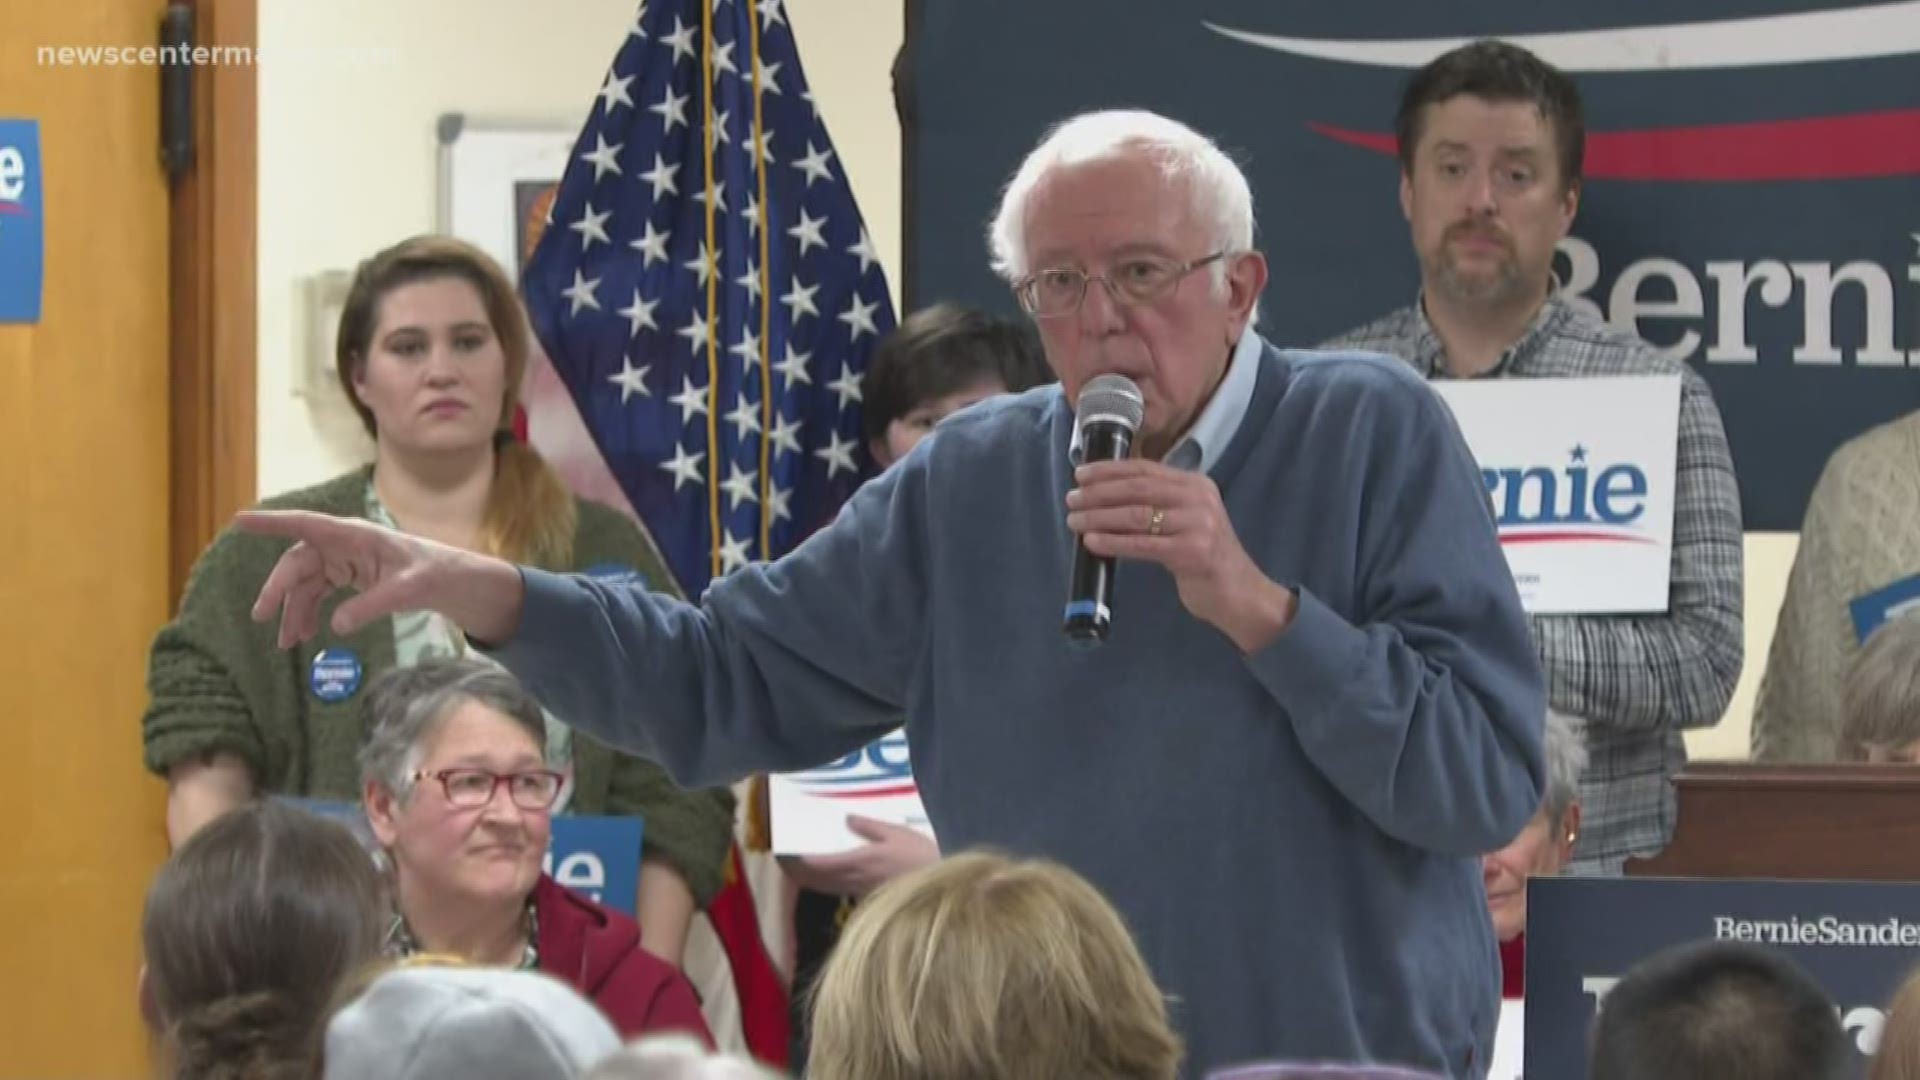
708 298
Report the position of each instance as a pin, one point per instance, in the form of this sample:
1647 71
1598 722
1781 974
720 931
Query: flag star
614 92
859 317
745 417
766 145
591 227
846 386
743 486
685 467
794 367
750 280
800 299
702 264
752 213
719 197
652 244
640 314
864 251
639 28
661 177
814 164
785 436
631 380
723 58
581 293
770 13
747 348
672 108
808 231
807 96
681 40
698 332
720 133
838 454
777 503
770 77
603 156
733 554
693 402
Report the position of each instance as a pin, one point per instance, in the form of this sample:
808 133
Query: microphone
1104 421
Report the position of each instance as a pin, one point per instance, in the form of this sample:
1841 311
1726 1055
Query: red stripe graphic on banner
1821 148
1564 535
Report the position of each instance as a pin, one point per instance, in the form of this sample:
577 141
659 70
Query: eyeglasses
1139 280
470 789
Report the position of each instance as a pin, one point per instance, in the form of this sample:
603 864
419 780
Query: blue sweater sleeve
1424 704
781 666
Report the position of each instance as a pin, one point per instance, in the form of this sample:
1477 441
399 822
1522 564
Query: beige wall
347 165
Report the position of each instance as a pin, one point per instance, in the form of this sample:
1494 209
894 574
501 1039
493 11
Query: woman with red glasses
457 790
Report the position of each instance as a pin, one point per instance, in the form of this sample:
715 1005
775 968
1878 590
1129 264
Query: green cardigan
218 681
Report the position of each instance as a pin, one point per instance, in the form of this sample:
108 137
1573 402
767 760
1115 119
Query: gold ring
1155 521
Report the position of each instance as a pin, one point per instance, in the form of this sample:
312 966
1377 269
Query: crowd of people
1281 825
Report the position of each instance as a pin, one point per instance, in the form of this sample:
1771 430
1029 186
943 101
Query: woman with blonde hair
985 966
1898 1057
431 350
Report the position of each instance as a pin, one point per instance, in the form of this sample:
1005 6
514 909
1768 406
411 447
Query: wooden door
84 493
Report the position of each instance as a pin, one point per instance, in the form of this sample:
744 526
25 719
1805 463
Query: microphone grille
1113 397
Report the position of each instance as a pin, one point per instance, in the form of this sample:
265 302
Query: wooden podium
1833 822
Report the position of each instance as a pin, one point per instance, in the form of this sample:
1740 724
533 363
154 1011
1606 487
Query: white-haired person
1319 687
1542 849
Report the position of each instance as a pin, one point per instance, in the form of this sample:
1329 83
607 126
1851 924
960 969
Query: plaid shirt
1637 681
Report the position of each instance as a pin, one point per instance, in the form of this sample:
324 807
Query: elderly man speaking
1318 704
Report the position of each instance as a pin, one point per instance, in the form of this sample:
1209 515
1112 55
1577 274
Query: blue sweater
1292 836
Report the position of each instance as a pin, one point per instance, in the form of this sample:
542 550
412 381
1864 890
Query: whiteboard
489 173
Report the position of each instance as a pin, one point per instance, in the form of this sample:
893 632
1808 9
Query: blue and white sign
809 809
598 857
1858 939
1580 474
335 675
22 222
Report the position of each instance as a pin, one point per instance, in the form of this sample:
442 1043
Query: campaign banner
1580 474
1748 207
598 857
1859 939
22 222
809 809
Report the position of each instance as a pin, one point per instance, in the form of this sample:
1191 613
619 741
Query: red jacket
596 950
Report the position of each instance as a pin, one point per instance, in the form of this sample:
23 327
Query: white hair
1566 753
1221 198
675 1057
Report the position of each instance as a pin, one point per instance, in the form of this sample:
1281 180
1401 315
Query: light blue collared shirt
1216 425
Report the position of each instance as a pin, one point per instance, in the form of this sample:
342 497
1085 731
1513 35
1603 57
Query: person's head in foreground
986 966
248 929
1544 846
1898 1056
1718 1010
676 1057
428 1021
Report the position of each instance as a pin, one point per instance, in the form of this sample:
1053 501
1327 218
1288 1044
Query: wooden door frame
212 336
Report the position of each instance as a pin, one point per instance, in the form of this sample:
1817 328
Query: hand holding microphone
1124 508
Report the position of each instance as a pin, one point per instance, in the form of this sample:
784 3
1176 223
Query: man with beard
1490 142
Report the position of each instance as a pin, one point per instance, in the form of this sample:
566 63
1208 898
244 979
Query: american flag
707 291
